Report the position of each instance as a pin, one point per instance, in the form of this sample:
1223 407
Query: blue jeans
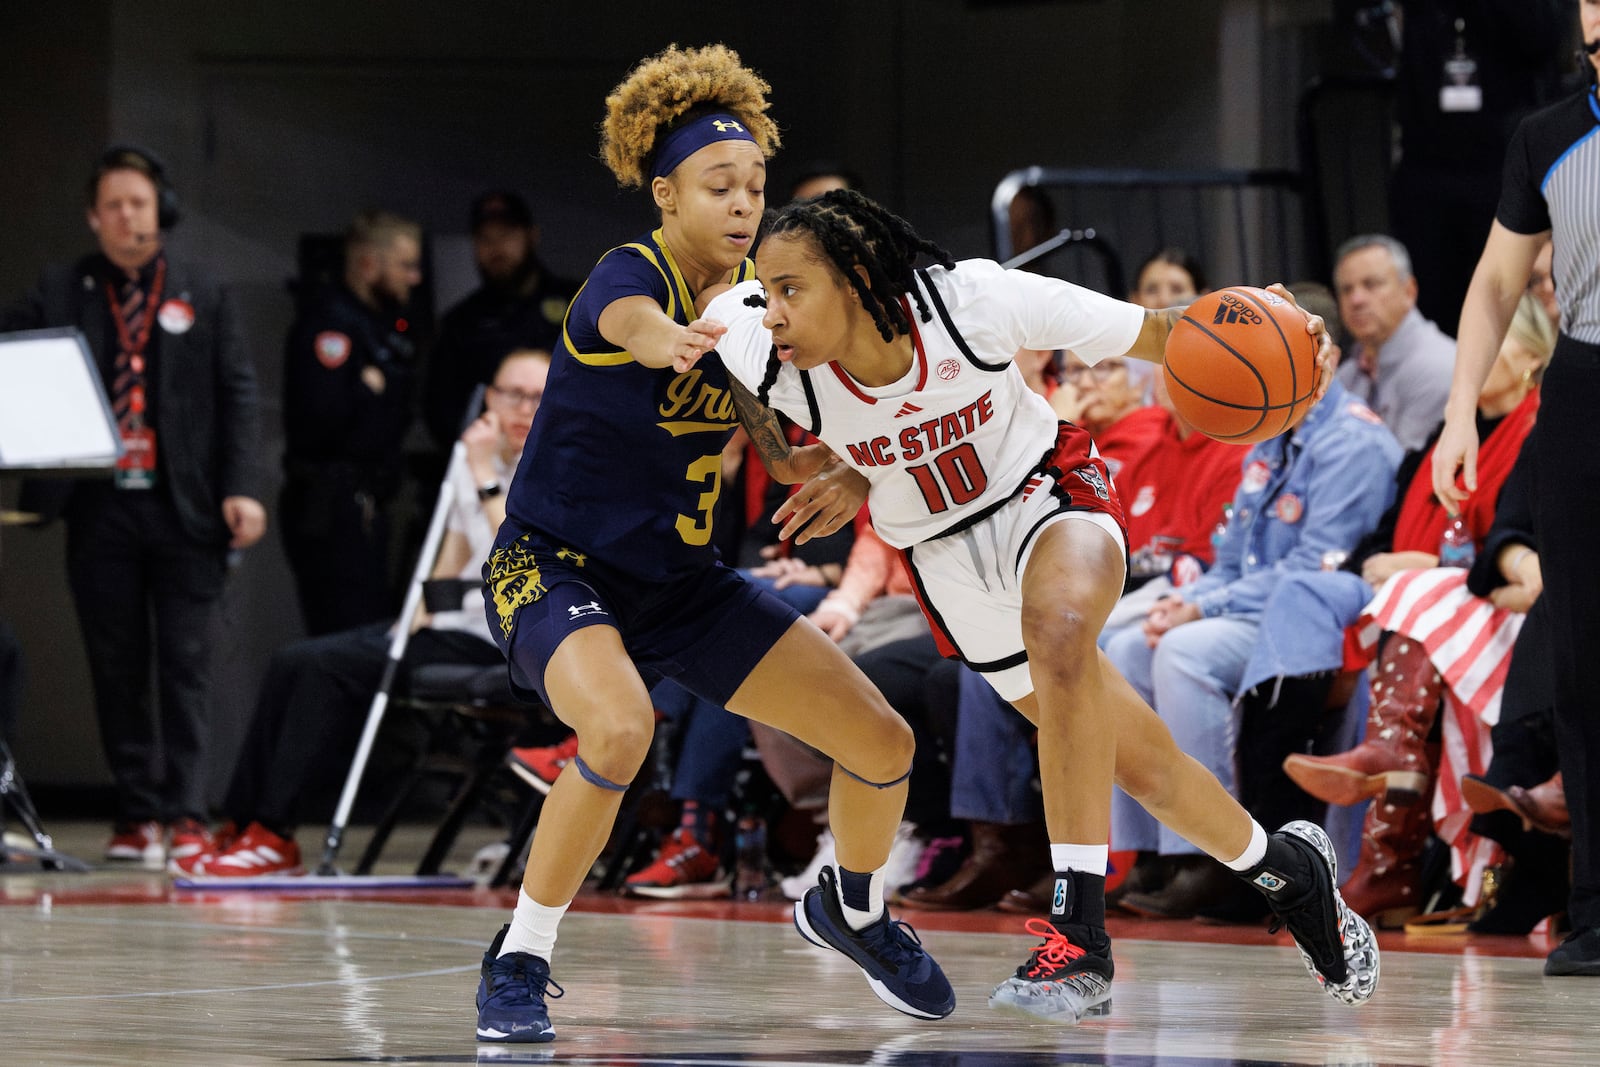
1190 678
992 773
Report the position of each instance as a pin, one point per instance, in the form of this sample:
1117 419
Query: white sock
1090 859
857 918
533 927
1253 853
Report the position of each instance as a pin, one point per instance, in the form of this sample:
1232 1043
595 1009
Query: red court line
147 888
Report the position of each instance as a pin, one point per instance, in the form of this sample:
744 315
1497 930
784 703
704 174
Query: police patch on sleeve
332 348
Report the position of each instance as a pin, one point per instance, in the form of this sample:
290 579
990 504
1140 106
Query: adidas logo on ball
1232 309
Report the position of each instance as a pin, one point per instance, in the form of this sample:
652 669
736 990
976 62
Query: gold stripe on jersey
592 359
678 295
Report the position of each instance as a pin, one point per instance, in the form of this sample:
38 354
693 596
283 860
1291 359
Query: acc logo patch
1255 477
1365 414
332 348
1143 501
176 316
1289 509
948 369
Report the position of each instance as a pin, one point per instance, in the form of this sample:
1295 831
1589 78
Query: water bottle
1455 547
750 872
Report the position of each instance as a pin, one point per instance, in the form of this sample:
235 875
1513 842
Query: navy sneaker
898 968
511 992
1335 943
1067 978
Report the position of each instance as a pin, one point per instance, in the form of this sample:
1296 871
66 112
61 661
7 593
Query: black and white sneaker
1337 945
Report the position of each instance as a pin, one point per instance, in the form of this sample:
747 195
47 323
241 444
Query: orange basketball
1240 365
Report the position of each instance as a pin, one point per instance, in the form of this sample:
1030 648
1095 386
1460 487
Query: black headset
121 155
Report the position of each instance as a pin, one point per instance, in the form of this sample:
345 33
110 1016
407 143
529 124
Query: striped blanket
1469 641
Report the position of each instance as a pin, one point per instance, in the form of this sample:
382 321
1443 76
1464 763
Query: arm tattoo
761 423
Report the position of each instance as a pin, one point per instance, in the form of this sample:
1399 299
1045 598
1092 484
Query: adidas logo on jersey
907 408
1231 309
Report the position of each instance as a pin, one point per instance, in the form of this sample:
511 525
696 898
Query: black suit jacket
204 389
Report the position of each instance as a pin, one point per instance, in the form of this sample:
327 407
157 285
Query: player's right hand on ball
1327 360
699 337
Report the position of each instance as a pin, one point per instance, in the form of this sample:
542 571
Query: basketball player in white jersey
1014 538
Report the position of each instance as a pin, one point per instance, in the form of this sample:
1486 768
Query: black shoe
1579 954
1335 943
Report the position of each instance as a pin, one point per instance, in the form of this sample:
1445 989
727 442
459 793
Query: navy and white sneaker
898 968
511 993
1335 943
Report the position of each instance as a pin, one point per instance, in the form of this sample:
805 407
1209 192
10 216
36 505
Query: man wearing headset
147 549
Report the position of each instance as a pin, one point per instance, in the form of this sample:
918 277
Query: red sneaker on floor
683 871
539 766
257 851
144 842
191 846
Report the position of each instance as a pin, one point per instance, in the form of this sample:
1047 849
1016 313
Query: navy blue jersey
625 462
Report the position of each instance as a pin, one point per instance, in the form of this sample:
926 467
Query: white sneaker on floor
904 855
796 887
900 868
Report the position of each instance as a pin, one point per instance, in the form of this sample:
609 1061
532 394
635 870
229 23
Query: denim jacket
1316 490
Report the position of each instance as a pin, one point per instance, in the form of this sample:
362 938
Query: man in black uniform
349 377
152 543
519 305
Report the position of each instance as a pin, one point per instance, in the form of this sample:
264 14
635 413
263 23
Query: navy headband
689 138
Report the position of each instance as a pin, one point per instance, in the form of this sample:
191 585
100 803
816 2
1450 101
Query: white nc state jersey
961 432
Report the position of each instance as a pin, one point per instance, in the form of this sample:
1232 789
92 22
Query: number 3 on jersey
955 477
707 471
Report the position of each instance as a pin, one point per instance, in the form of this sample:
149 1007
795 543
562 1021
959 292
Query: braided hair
853 231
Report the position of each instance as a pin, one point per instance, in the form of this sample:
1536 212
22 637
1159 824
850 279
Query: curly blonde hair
664 88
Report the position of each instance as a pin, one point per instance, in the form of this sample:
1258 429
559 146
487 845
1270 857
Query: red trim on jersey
850 383
943 643
916 344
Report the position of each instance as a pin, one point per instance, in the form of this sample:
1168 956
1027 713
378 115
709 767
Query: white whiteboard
53 407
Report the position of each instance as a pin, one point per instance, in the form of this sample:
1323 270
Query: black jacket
203 384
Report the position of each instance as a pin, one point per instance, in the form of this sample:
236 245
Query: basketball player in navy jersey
1550 189
1014 537
603 576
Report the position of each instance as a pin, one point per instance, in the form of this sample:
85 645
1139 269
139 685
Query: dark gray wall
281 118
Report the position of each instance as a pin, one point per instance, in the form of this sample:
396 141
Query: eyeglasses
516 397
1101 372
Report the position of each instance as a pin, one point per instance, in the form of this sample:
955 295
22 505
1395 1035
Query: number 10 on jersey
955 477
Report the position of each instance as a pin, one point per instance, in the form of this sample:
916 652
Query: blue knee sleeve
875 785
588 774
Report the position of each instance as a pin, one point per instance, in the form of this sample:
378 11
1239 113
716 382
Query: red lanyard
134 347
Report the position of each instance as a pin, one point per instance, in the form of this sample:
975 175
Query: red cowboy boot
1385 888
1391 762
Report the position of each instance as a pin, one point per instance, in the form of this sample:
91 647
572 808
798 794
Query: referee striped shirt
1552 182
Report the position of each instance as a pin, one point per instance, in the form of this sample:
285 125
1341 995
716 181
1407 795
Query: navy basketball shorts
706 631
969 583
